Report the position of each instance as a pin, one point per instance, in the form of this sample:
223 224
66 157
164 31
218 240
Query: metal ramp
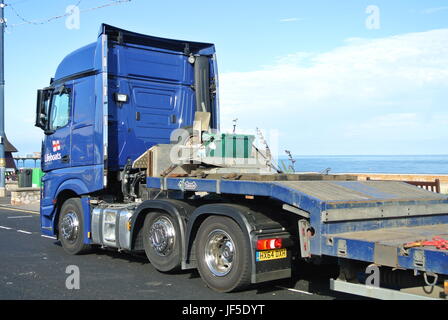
330 191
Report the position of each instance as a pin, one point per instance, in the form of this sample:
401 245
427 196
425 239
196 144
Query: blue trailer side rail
366 221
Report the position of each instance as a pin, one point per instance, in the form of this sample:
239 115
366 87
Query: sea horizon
388 164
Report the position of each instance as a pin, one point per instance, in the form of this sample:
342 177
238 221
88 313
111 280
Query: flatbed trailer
362 221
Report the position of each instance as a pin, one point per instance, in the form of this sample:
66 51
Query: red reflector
269 244
278 243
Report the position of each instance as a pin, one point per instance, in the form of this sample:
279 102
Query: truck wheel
161 240
71 227
223 254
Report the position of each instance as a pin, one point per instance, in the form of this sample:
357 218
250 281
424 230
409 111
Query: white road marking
19 217
295 290
19 210
27 232
44 236
23 231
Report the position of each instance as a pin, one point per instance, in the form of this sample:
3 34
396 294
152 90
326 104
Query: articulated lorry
134 160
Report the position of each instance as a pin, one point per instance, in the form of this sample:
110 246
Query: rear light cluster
269 244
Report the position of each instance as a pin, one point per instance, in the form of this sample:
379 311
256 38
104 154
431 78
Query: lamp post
2 101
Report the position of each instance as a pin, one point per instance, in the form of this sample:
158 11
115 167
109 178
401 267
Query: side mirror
43 99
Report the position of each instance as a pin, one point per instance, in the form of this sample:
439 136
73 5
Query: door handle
65 159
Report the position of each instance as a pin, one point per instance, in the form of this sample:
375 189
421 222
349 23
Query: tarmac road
33 266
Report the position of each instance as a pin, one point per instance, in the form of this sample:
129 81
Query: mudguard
179 210
242 215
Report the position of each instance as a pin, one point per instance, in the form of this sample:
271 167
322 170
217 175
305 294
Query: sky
322 77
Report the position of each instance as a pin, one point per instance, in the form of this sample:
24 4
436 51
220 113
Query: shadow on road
306 277
309 278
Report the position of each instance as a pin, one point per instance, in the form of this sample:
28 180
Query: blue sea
420 164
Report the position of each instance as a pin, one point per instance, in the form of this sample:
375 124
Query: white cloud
400 123
434 10
290 19
365 79
389 124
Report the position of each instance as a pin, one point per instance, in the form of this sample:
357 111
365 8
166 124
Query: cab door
57 145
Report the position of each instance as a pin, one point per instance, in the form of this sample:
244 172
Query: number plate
271 254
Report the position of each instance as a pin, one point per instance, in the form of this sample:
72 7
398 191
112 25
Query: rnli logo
56 145
57 156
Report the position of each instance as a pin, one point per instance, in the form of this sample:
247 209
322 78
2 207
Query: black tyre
71 227
223 254
162 241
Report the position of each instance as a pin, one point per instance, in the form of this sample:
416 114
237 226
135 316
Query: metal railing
433 186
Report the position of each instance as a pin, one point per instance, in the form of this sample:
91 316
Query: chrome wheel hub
70 226
162 236
219 252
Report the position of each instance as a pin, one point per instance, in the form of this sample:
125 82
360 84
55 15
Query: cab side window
60 110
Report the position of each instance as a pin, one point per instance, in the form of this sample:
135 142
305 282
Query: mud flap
273 264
